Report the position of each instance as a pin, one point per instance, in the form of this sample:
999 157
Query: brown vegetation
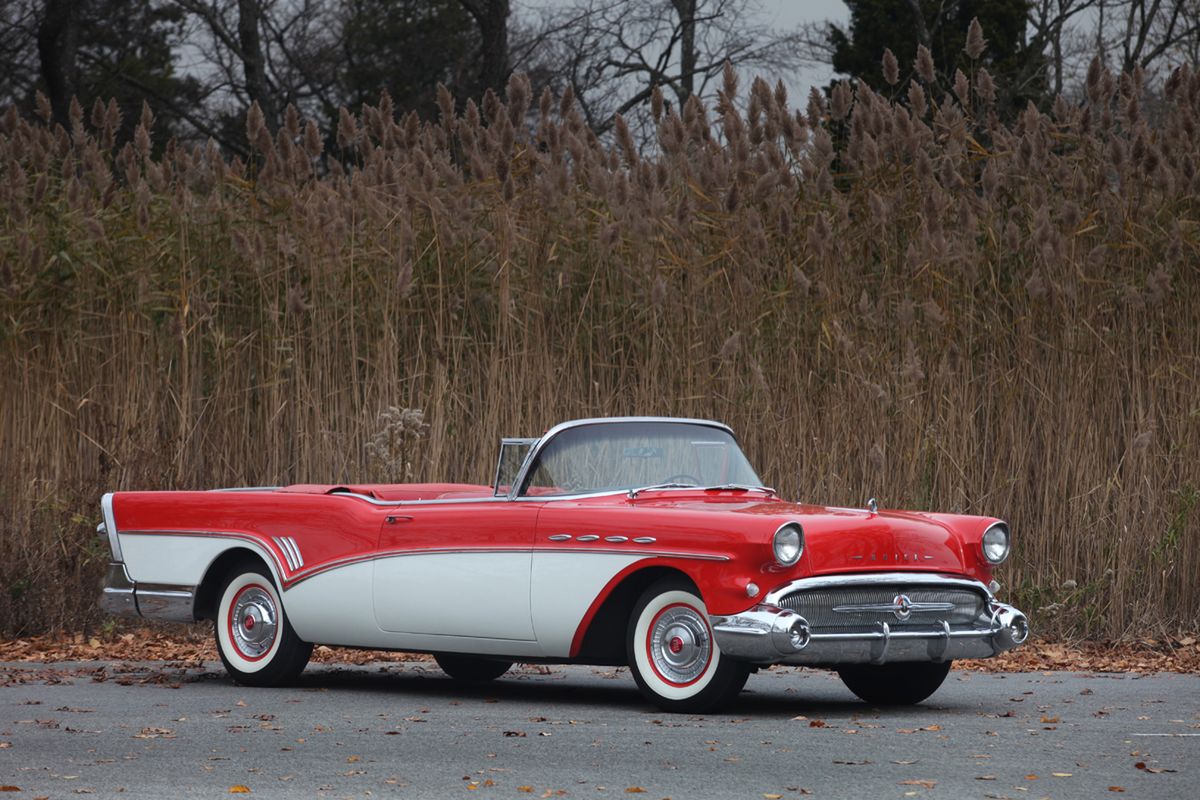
910 301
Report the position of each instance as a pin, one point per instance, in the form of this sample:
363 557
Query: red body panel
720 539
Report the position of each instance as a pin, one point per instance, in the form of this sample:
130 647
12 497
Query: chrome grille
817 606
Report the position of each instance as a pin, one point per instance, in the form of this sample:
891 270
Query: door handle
395 518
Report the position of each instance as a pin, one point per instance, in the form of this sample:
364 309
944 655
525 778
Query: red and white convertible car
642 541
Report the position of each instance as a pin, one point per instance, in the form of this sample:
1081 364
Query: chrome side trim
110 524
124 597
247 489
165 602
588 537
560 537
116 596
616 539
645 540
434 502
296 577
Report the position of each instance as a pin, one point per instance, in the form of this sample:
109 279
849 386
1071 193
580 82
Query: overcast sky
784 14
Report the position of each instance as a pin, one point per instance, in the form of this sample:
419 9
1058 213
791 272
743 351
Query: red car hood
845 539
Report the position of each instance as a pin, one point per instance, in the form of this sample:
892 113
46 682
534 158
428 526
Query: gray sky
782 13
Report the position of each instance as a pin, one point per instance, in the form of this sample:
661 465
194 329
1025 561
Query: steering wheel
683 477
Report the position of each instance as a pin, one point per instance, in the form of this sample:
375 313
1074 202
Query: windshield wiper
739 487
635 492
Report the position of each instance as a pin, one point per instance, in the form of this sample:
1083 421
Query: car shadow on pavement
615 689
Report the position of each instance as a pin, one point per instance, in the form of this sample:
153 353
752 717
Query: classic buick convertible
641 541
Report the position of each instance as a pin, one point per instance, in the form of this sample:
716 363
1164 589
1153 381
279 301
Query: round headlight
788 544
995 543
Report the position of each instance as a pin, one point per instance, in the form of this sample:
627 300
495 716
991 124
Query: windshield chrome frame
531 459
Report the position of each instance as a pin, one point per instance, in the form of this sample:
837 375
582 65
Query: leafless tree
19 21
615 54
269 52
1151 33
491 17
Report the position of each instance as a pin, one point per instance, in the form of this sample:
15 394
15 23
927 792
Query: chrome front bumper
768 634
125 598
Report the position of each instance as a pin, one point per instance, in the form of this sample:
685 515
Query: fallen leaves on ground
1168 654
192 644
928 784
1144 767
239 789
195 644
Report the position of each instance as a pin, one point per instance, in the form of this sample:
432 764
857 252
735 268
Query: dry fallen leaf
1031 777
1142 765
1116 788
1048 720
817 723
771 796
353 759
635 790
526 789
239 789
1061 774
918 782
985 777
10 788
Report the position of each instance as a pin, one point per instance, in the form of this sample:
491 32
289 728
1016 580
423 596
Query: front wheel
904 683
471 669
254 638
672 653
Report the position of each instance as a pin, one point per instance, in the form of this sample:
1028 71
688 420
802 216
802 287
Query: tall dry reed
913 302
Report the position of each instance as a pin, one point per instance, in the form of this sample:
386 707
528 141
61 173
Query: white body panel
563 588
160 558
472 593
336 608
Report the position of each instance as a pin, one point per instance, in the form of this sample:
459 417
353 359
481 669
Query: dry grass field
908 300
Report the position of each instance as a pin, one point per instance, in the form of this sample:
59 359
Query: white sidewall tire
641 654
232 655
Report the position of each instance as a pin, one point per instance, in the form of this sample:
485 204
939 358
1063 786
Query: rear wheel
672 653
254 638
901 684
471 668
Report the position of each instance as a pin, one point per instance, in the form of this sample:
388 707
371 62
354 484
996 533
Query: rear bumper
123 597
767 634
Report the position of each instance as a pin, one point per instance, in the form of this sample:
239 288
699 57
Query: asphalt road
404 730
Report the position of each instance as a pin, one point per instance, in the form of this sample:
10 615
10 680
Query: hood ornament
872 506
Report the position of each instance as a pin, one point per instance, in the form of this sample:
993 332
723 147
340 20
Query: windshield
615 456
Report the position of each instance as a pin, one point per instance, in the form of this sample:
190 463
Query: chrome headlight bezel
996 543
787 545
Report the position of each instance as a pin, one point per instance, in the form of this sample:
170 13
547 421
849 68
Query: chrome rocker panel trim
124 597
768 634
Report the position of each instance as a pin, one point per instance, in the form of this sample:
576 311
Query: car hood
844 539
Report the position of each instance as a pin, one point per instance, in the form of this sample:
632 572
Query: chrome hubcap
253 622
680 645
